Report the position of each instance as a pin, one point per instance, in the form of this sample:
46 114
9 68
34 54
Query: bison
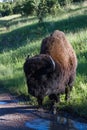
53 71
58 47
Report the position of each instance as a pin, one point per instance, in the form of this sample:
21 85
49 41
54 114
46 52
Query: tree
6 9
28 7
46 7
17 7
52 5
41 10
7 0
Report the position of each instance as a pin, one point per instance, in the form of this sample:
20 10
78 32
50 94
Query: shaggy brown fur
58 47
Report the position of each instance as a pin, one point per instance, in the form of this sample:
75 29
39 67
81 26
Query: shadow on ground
19 37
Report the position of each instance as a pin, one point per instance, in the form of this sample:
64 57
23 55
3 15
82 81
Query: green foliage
28 7
6 9
46 7
17 7
65 2
61 2
52 6
1 9
42 10
31 7
79 0
68 2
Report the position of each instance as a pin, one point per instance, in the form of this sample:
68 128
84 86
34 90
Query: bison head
39 65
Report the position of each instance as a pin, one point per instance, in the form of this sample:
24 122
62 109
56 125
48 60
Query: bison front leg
40 101
54 100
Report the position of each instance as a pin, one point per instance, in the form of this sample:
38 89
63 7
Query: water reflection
2 103
39 124
61 123
80 126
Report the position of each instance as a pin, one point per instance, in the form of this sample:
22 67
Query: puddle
2 103
61 123
39 124
8 101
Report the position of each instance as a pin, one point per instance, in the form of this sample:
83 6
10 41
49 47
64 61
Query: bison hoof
54 111
40 109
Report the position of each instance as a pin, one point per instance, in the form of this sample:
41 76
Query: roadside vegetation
22 35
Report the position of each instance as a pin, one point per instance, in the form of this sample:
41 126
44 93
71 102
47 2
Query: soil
15 115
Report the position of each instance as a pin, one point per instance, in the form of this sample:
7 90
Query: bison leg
40 101
54 99
69 87
67 93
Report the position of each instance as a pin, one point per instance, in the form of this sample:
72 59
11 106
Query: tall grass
20 36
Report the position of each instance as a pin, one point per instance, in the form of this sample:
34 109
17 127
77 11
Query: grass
20 36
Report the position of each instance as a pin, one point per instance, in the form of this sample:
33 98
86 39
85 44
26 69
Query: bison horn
52 62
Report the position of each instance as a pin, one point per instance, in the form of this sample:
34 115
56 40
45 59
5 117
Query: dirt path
13 115
17 116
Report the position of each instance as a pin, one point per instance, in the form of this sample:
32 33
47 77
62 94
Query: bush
41 10
79 0
17 7
52 6
46 7
28 7
6 9
1 9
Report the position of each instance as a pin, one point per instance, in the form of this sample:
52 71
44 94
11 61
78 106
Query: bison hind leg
69 87
67 93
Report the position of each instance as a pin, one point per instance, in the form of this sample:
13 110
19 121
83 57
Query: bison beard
53 71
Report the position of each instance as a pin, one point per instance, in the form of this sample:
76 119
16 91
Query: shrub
17 7
6 9
41 10
46 7
28 7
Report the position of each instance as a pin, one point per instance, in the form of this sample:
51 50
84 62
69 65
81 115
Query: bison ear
27 57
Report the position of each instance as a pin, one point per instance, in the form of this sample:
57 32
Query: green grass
20 36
